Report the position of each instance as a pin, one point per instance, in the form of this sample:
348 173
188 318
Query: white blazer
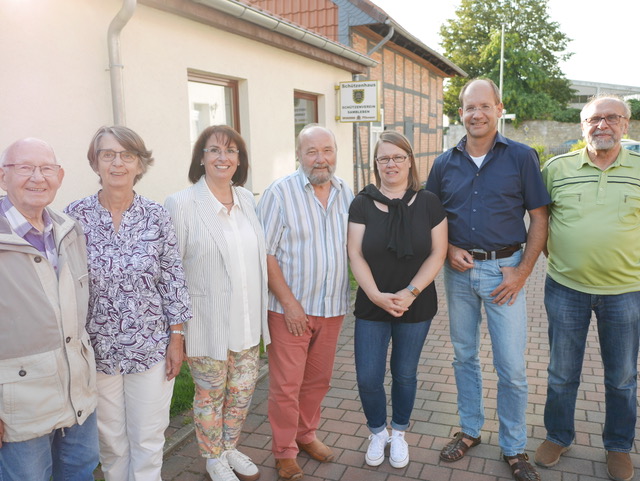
206 259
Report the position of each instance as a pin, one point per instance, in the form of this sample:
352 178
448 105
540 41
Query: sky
613 60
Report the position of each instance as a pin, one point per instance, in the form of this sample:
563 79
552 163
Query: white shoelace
399 455
375 451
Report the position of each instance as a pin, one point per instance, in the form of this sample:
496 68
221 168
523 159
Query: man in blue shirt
486 183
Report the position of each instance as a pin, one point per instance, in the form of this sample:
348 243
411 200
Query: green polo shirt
594 224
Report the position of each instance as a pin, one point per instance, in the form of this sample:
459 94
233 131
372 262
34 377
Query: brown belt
482 255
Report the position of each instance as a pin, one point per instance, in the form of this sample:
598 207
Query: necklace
227 203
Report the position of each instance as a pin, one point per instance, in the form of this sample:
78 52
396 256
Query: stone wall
547 133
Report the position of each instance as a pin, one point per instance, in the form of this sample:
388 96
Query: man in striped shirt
305 217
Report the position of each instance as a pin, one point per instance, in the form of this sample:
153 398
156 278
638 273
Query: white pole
501 122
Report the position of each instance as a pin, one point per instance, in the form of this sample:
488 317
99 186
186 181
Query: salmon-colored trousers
300 369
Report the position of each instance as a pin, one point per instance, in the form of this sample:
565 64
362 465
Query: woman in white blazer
224 258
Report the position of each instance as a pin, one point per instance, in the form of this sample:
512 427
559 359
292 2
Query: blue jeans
69 454
569 314
371 344
466 293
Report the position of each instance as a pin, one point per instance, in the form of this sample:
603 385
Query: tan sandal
457 448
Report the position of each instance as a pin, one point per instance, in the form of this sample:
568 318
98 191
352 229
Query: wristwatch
413 290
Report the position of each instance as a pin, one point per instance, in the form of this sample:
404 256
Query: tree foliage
534 86
635 109
571 116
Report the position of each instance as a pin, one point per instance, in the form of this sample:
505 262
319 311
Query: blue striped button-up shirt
309 242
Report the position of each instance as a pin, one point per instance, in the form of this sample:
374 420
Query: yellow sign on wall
359 101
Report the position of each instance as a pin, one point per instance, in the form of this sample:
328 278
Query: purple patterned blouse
137 286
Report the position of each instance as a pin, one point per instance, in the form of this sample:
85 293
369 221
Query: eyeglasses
483 108
613 119
27 170
108 155
217 152
396 158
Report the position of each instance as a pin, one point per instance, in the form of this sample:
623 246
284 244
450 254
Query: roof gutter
387 37
402 32
115 64
275 24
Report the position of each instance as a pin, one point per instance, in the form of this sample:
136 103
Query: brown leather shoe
318 451
288 469
548 453
619 466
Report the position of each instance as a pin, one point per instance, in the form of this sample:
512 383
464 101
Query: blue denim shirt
485 206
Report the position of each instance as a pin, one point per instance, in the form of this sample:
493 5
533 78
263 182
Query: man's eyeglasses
613 119
396 158
27 170
108 155
217 152
485 109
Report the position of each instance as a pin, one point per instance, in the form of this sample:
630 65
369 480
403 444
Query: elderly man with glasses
594 267
304 216
47 370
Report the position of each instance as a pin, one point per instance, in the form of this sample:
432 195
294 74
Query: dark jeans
371 345
569 313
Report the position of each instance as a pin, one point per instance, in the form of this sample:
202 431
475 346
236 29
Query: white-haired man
305 220
594 266
47 370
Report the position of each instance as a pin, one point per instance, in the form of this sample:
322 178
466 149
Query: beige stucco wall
55 85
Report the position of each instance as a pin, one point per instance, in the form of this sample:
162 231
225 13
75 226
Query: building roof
234 13
380 21
599 87
321 16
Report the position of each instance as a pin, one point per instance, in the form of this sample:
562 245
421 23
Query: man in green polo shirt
594 266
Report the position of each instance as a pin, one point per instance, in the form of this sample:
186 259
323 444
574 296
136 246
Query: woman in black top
397 243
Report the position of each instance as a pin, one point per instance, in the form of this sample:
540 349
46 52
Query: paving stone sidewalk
434 418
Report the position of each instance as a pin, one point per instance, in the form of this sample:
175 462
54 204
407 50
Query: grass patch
352 281
183 391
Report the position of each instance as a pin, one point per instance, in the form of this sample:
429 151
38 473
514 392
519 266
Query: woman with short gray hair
138 302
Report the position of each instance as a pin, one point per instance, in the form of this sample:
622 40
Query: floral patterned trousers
222 398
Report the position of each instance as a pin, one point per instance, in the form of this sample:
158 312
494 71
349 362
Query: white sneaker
375 451
242 465
220 470
399 455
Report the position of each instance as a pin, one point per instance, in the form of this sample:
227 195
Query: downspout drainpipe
115 64
392 30
356 132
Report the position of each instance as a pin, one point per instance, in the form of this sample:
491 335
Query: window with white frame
212 101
